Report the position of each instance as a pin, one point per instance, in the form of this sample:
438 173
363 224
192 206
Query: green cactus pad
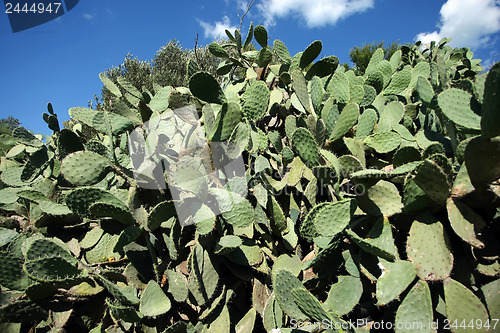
80 200
406 154
299 85
456 105
159 214
283 284
241 215
431 178
416 308
23 136
383 142
217 50
55 209
177 286
84 168
465 222
425 90
110 85
305 145
366 123
125 296
68 142
338 87
310 53
490 118
344 295
45 247
347 119
309 304
260 34
323 67
381 199
275 139
91 238
490 292
334 217
378 241
482 159
429 249
281 51
256 100
205 87
308 229
392 114
51 269
395 278
12 275
414 198
463 306
98 120
160 100
399 82
8 195
103 209
226 121
376 80
154 302
377 57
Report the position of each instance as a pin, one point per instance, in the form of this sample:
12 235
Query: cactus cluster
363 198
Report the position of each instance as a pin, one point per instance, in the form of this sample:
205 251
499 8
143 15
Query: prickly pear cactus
287 189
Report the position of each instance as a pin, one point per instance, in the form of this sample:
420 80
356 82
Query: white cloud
469 23
316 14
217 30
88 16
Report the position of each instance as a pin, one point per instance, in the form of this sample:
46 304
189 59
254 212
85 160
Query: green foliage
360 56
358 191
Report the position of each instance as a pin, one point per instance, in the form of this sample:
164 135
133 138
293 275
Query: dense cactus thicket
365 201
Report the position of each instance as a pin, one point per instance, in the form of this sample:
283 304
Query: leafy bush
363 199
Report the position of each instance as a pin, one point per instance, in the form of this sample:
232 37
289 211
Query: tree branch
250 4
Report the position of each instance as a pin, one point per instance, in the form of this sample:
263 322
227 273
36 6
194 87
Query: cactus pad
429 249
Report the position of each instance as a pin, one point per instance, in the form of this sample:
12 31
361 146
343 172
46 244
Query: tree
360 56
8 124
167 68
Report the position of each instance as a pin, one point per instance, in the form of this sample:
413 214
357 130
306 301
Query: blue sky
59 62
